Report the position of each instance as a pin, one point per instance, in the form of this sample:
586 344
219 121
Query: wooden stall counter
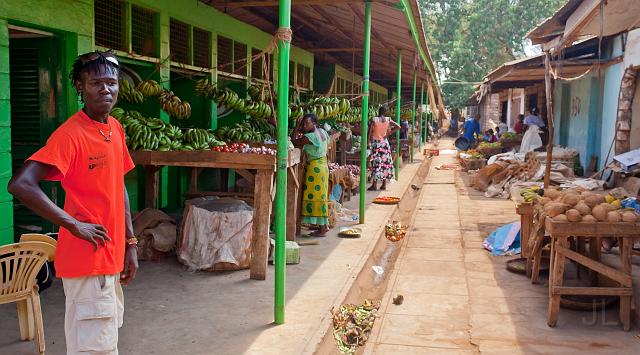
560 233
256 168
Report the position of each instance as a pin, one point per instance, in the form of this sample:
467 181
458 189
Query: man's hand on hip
92 233
130 265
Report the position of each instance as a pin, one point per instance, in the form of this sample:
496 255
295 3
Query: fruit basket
350 232
386 200
395 231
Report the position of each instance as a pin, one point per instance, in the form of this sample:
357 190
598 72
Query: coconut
629 216
607 207
573 215
551 193
600 213
593 200
553 209
583 208
571 198
589 218
560 218
614 217
544 200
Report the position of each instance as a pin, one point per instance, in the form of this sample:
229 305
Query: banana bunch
118 113
254 92
199 139
296 112
129 93
328 107
230 99
206 89
149 88
530 194
258 110
242 132
172 105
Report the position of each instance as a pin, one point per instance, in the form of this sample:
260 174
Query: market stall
258 168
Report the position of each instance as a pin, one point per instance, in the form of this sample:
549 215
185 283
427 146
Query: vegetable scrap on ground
352 325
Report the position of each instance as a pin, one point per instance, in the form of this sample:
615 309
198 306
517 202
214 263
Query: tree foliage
470 38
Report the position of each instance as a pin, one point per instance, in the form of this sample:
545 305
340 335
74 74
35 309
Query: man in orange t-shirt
96 249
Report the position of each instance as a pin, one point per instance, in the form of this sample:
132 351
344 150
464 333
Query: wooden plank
621 277
246 174
556 280
151 186
593 229
211 159
592 291
261 213
292 202
625 301
193 186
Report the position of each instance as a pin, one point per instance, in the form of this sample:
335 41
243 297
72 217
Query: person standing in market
380 128
96 250
471 129
314 141
533 128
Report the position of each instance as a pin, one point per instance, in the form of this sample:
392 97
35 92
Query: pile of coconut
586 206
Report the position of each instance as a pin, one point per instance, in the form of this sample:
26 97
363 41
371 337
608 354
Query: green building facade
173 42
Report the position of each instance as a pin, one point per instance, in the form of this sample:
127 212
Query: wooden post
151 188
261 214
548 83
292 202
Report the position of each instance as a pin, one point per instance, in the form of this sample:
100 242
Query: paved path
458 299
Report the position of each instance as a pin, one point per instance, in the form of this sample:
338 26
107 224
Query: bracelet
133 241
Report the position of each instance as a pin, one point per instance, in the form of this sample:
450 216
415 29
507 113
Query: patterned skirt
381 160
315 209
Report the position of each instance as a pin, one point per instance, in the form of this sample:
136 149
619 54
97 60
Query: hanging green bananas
149 88
172 105
129 93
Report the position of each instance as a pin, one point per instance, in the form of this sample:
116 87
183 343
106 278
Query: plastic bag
531 140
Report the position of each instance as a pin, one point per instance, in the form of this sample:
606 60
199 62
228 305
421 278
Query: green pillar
365 108
413 113
281 164
398 97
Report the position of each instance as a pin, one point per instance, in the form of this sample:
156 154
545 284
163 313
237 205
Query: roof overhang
334 32
579 19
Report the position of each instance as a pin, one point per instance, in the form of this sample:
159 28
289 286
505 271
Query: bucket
462 143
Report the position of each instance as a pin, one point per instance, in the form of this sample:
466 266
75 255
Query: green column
365 108
413 113
422 137
398 97
281 164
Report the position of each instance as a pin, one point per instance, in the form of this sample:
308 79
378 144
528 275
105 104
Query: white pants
93 314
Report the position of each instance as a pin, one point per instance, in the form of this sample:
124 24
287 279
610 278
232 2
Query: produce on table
487 145
386 200
532 193
574 206
144 133
352 325
244 148
474 154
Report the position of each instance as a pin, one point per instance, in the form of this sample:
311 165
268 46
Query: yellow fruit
617 204
609 198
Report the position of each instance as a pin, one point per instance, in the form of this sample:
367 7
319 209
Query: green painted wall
73 22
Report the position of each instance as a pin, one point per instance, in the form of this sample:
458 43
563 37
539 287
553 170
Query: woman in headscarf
531 139
381 127
314 142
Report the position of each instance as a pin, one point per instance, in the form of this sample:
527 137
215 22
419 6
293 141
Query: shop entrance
36 91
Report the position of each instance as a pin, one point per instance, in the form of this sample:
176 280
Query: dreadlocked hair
99 64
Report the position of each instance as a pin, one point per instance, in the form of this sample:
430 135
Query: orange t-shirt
91 171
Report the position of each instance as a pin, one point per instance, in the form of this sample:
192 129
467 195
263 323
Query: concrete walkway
458 299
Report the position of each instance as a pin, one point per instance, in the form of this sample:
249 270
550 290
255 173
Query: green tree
470 38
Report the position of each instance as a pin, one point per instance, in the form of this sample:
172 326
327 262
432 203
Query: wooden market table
560 233
255 168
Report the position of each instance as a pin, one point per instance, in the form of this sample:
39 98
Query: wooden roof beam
324 50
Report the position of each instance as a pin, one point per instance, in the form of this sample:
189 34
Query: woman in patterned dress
379 128
314 142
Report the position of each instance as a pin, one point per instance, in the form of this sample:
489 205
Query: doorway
36 91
